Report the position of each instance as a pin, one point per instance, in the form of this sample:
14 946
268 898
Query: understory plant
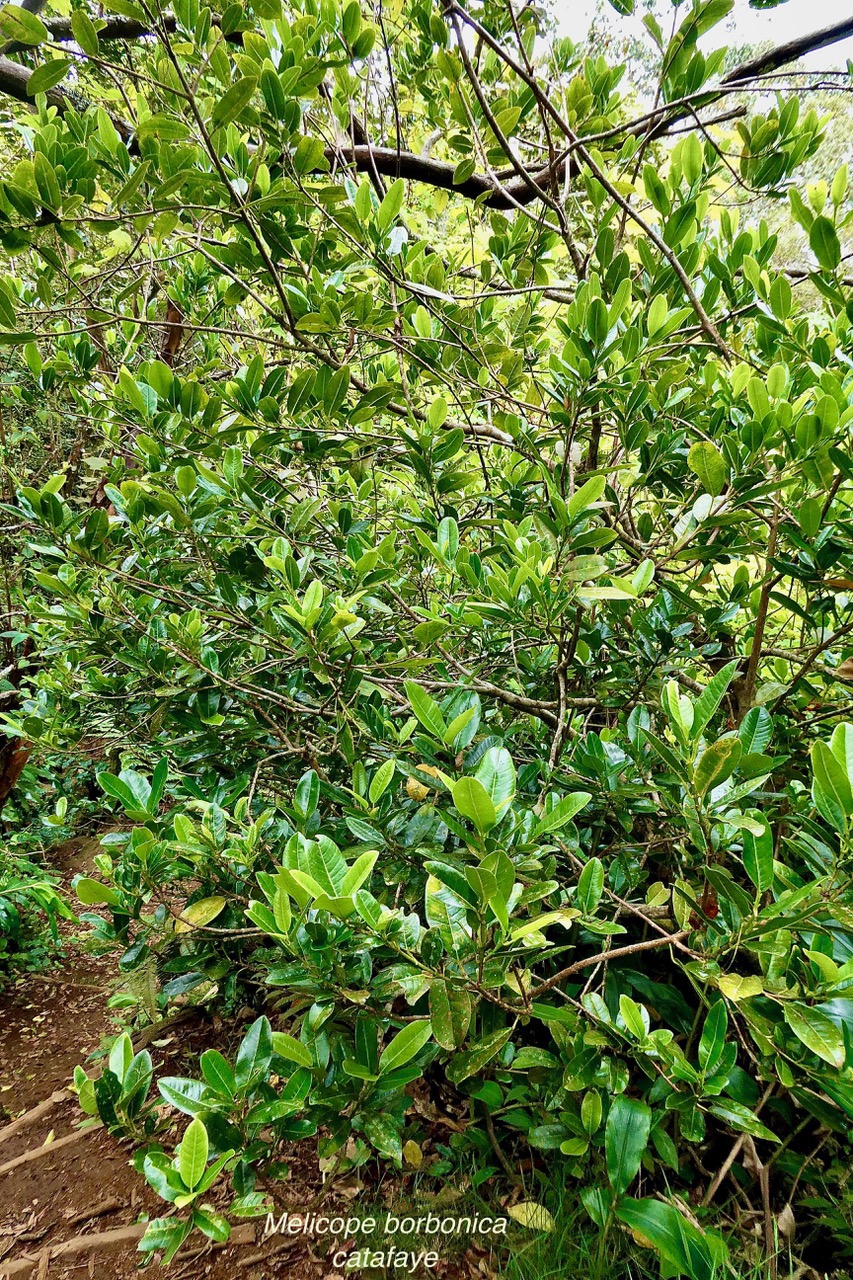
446 555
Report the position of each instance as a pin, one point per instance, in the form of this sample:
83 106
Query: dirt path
73 1206
77 1183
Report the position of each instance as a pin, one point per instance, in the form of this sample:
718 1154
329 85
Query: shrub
459 593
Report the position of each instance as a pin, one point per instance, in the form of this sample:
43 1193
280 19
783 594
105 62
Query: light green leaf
233 101
287 1046
405 1046
358 872
473 802
706 462
716 763
381 780
831 790
450 1013
496 772
426 709
391 205
590 887
192 1154
562 813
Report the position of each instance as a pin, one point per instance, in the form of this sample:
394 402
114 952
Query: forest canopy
428 558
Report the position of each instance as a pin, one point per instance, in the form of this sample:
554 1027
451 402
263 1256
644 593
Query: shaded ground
80 1183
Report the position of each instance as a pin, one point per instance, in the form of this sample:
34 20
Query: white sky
744 25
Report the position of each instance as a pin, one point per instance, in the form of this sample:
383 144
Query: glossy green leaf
626 1137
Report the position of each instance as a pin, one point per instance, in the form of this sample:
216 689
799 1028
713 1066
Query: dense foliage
444 550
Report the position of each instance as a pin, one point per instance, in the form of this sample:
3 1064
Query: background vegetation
427 531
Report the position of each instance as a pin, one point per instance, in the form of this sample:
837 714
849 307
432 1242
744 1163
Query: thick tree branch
438 173
510 191
791 51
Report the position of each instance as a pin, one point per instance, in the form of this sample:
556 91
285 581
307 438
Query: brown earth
78 1186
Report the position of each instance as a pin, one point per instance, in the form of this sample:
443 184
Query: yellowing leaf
199 914
416 790
412 1154
532 1215
737 988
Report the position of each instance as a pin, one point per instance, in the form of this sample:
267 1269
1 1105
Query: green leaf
657 314
287 1046
626 1137
450 1013
825 244
737 987
48 75
756 730
496 772
381 779
713 1038
482 882
474 1059
562 813
326 866
83 30
165 1235
187 1096
358 873
192 1154
217 1072
473 802
706 462
92 893
426 709
831 790
682 1246
21 26
586 496
309 153
405 1046
307 794
841 746
447 537
590 886
391 204
709 700
233 101
213 1225
758 857
716 763
253 1056
740 1118
463 171
817 1032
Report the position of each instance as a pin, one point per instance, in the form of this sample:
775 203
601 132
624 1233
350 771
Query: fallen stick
157 1029
36 1153
244 1234
78 1244
97 1211
34 1114
52 979
140 1041
266 1255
